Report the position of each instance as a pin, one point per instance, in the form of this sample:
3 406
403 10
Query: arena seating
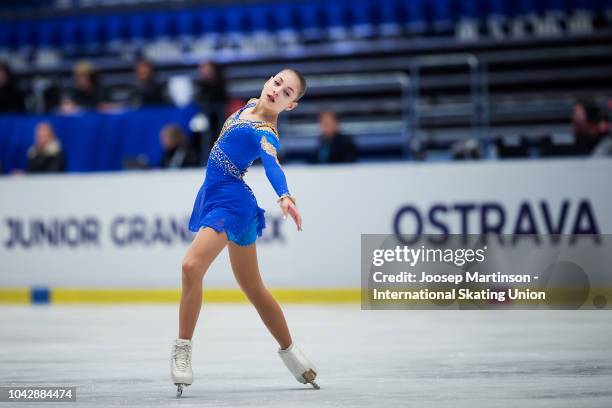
537 57
308 19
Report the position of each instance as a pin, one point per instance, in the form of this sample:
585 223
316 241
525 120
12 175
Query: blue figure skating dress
225 202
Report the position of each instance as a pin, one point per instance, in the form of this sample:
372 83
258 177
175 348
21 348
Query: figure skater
225 212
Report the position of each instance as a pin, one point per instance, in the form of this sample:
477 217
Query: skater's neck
261 112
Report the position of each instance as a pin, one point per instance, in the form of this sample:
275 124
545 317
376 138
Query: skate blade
179 389
315 385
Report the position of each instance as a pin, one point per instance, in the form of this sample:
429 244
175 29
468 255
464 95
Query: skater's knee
192 270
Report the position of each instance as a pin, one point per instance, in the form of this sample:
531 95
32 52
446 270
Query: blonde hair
83 67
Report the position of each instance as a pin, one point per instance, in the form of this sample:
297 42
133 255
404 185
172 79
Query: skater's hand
288 207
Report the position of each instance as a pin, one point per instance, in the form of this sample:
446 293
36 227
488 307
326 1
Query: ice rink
119 356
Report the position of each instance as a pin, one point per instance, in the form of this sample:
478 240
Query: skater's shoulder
267 130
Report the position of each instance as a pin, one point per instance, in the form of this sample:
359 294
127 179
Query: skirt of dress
227 204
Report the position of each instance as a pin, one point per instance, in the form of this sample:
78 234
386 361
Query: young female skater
225 212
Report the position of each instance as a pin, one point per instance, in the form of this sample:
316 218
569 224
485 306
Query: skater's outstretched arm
268 145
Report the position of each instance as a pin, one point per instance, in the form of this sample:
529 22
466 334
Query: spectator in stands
86 93
46 155
604 147
211 96
177 152
51 94
590 126
334 146
147 91
11 99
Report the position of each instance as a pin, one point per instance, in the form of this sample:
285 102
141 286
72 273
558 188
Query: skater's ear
291 106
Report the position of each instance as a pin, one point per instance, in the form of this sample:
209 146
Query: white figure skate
180 363
302 369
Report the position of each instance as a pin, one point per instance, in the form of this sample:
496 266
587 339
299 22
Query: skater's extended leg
203 250
246 271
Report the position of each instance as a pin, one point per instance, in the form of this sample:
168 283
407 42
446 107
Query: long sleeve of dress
268 145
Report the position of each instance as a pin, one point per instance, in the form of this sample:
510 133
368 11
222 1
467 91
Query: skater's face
280 91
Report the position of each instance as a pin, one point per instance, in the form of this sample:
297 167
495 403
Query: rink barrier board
41 295
81 239
15 296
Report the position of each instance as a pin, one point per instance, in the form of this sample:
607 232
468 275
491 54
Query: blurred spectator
211 96
468 149
11 99
51 94
146 92
46 155
86 93
334 146
177 152
590 126
604 147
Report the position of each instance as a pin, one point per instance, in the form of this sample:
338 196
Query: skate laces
182 356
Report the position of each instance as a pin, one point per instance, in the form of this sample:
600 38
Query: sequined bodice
240 142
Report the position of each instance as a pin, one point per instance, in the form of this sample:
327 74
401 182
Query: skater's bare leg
203 250
246 271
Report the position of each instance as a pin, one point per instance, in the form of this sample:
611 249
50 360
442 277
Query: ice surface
119 356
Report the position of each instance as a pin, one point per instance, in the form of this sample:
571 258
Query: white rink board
338 204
